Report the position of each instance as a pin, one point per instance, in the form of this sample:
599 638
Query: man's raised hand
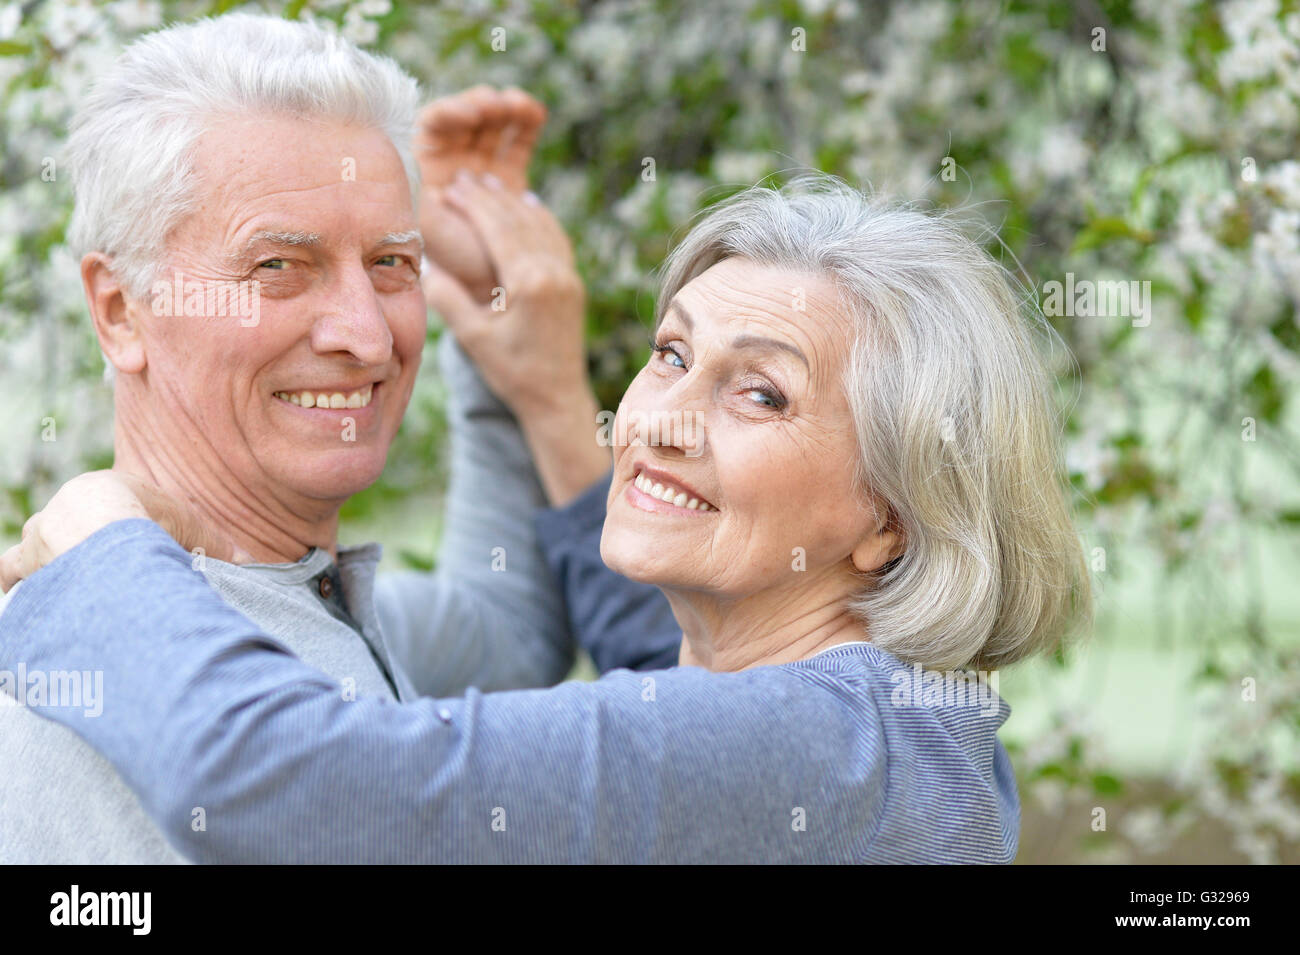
482 131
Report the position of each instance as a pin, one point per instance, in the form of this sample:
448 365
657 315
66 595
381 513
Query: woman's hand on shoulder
89 503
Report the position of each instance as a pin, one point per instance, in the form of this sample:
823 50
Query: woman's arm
240 752
620 622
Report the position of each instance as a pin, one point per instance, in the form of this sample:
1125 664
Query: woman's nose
668 423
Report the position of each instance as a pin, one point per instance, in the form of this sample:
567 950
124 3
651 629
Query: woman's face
741 407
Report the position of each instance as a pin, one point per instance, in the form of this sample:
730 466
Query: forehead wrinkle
765 305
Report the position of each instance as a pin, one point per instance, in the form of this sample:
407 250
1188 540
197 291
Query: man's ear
880 546
116 319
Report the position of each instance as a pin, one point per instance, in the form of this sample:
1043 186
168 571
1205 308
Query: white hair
954 413
131 144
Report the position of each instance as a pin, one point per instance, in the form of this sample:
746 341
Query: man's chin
335 475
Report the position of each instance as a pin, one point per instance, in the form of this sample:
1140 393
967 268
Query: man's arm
491 616
202 710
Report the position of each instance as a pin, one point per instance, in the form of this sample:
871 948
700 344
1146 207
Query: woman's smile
661 493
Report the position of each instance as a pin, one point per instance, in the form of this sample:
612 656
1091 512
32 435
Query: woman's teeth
313 399
670 495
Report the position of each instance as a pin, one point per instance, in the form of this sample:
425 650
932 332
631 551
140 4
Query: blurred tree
1150 141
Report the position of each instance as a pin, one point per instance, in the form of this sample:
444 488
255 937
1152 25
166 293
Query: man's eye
385 260
273 263
669 355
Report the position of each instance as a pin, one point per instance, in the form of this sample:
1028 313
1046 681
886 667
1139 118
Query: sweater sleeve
207 718
620 622
491 615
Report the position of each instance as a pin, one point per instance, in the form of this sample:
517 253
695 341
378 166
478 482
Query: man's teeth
670 494
314 399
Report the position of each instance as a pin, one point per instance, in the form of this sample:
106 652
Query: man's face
319 216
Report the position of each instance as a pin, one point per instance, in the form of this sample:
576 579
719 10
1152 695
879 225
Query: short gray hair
130 148
954 412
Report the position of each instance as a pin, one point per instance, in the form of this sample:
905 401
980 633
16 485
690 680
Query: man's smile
328 398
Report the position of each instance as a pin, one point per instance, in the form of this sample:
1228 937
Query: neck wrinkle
766 628
256 521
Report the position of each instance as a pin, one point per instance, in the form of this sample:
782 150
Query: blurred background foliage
1152 140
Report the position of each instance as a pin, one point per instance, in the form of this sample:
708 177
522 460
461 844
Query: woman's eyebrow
745 341
684 315
769 344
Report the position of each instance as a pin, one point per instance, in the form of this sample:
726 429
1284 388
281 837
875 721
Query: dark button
326 587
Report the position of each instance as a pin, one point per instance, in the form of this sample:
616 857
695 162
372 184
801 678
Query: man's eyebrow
271 236
311 239
401 238
744 341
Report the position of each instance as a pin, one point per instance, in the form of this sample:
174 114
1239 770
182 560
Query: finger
514 228
182 520
9 572
199 534
26 562
548 230
527 116
539 231
32 555
495 220
494 116
444 139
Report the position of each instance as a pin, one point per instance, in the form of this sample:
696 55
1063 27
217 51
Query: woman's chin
635 555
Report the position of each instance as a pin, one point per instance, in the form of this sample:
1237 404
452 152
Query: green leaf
416 561
1265 394
1104 784
1105 230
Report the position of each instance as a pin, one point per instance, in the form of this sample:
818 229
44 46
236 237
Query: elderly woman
851 496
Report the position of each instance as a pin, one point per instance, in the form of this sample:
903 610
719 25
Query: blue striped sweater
240 752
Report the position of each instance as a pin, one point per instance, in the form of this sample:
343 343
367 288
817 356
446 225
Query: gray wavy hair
130 146
954 412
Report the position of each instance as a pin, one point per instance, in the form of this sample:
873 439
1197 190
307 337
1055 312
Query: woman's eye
669 355
767 398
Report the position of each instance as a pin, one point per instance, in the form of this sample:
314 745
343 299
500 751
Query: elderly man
269 160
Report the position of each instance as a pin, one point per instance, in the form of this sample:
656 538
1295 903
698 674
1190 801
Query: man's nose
354 322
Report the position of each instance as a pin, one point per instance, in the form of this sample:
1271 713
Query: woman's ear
885 543
115 318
